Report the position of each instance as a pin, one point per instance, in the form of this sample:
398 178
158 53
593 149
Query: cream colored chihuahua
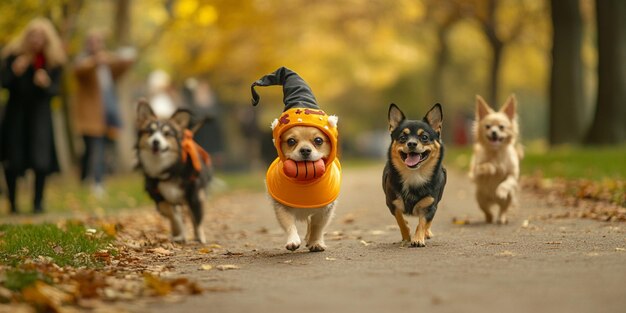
497 153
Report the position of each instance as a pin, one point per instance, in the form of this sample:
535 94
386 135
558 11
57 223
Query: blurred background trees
359 56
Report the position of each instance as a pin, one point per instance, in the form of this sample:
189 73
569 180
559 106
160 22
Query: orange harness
194 151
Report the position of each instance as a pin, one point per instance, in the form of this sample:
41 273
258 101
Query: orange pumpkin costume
300 110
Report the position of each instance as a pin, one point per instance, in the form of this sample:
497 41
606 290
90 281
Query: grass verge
72 245
595 163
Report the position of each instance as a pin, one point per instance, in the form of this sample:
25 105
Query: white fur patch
172 192
333 120
415 180
274 123
154 164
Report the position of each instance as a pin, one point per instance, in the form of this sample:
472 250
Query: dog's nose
411 144
494 135
306 151
155 144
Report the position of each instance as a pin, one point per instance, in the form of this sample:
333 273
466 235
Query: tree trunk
609 123
442 58
124 155
122 22
566 91
494 77
496 45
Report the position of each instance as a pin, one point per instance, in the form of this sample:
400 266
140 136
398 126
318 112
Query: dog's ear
395 117
144 112
482 108
510 107
182 118
434 118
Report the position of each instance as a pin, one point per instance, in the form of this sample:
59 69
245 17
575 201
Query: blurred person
203 103
97 116
162 95
31 72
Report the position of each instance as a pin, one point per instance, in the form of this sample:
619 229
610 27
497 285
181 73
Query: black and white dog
177 171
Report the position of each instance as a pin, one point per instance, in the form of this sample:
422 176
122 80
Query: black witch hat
296 92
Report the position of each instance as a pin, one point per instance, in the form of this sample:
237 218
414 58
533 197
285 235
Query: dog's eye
318 141
291 142
403 138
501 127
424 138
167 133
487 126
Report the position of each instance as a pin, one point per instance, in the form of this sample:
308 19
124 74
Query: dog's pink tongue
412 159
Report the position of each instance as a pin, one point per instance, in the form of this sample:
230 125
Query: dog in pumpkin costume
305 178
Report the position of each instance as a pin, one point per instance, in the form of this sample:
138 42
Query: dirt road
554 265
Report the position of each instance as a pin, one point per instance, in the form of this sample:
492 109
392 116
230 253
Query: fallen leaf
525 224
330 259
365 243
457 221
204 250
215 246
160 250
225 267
5 294
45 295
158 285
110 229
206 267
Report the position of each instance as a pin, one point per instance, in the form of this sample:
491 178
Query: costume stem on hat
296 92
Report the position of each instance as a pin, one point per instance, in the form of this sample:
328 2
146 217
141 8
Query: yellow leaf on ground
204 250
158 285
159 250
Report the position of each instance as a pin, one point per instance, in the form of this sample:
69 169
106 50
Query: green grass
16 279
71 246
595 163
65 194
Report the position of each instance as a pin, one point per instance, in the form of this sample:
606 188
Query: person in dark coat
31 72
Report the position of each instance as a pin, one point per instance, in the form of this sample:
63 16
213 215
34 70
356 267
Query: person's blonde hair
53 50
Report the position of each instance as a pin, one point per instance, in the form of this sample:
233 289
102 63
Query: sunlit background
358 57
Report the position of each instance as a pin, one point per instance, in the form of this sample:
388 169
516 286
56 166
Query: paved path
564 265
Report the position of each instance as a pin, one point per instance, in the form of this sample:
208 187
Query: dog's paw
317 247
503 220
292 246
405 243
178 239
485 169
418 244
429 234
503 191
